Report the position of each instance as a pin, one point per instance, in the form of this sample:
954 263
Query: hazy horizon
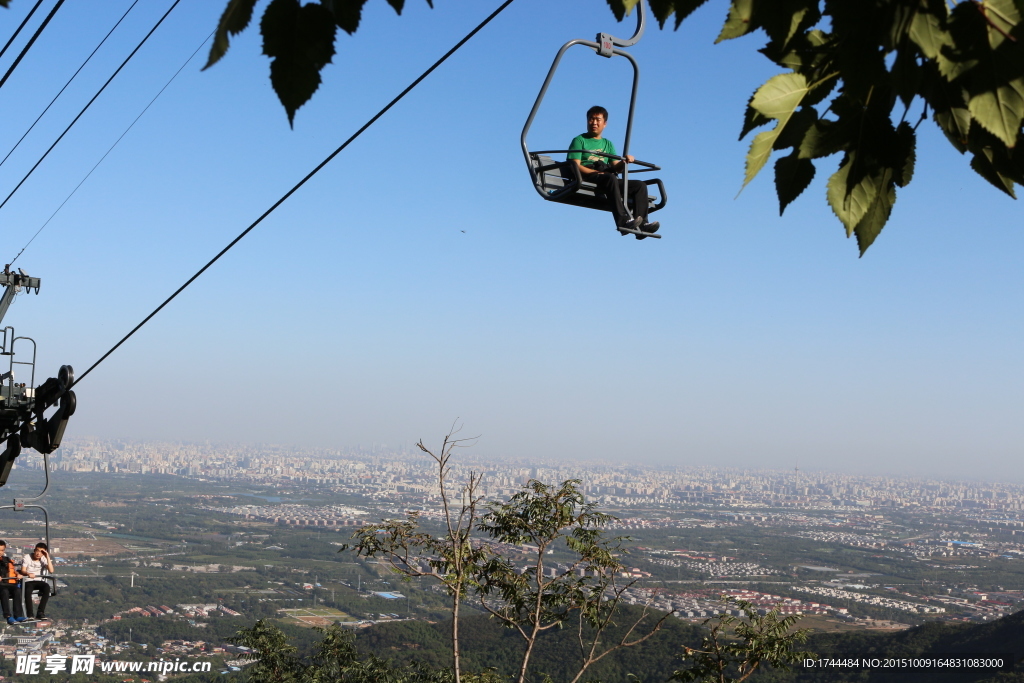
474 455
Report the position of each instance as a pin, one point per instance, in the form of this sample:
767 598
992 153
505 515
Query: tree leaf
776 99
300 39
779 97
235 19
823 139
905 154
738 23
850 204
752 119
792 176
956 124
347 13
803 52
663 9
618 9
685 8
929 33
802 120
984 167
901 16
1002 17
760 151
877 215
397 5
906 76
949 102
794 23
1000 110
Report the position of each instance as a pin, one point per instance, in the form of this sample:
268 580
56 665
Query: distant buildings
409 478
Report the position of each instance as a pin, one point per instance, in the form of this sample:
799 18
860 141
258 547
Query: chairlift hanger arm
607 41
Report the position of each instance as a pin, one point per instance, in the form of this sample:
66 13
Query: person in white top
33 566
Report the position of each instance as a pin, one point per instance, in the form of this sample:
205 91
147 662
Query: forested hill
487 644
1004 636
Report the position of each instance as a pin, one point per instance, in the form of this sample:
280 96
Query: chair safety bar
646 164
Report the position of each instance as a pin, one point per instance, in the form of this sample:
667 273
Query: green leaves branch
335 658
299 38
735 647
535 600
963 62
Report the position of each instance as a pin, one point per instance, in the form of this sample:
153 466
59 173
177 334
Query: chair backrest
550 180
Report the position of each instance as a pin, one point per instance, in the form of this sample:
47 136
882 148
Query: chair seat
557 182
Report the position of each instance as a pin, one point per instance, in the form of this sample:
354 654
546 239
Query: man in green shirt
597 168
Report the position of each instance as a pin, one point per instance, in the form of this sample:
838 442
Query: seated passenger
595 168
10 592
34 567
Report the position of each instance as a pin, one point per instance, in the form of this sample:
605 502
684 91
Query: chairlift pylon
561 181
23 406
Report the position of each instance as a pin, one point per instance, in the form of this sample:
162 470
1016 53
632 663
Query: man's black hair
41 545
3 543
597 110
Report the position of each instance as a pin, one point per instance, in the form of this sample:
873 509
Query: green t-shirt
591 149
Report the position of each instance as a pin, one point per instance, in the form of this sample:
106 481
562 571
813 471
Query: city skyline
476 454
233 460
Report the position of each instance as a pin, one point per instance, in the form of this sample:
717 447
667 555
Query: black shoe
651 227
633 224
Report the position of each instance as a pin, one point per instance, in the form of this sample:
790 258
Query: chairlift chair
561 181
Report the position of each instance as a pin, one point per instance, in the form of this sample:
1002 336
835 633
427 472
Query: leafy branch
735 648
451 559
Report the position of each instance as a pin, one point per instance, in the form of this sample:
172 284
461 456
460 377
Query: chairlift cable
296 187
73 76
31 41
89 103
107 153
17 31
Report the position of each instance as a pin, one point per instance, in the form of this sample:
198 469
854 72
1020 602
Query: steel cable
17 31
25 134
89 103
111 149
30 43
295 187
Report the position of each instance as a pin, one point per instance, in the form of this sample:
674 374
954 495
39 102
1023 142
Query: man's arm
617 167
621 165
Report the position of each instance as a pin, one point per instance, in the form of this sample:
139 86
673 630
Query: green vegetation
478 556
1000 637
419 651
734 648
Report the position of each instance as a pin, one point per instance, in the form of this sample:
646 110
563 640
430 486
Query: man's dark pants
44 594
10 594
611 186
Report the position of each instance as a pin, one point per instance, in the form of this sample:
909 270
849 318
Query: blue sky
360 312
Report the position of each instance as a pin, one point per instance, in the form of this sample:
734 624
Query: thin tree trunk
526 657
455 637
